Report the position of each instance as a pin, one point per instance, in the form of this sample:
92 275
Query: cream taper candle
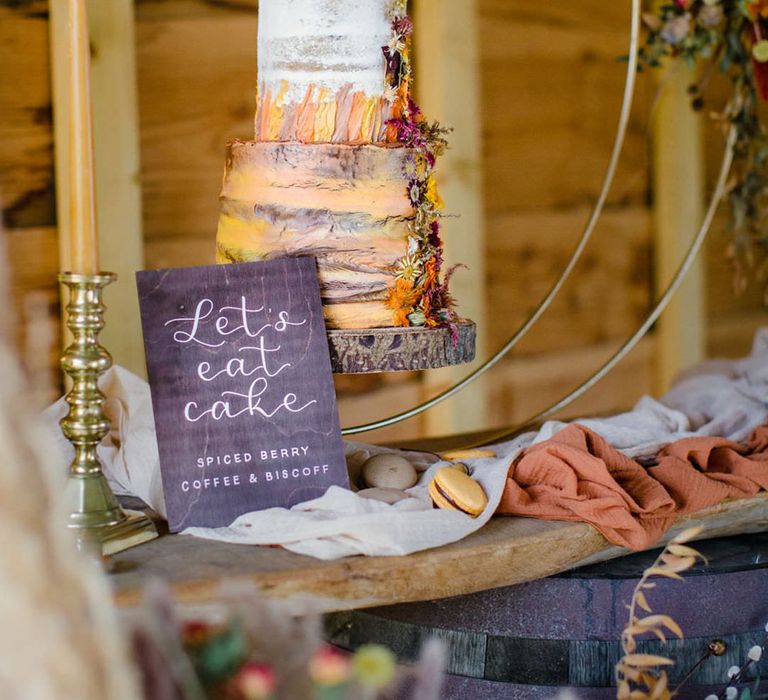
83 243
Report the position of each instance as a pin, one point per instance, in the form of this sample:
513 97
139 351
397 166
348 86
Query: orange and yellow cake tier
342 203
341 165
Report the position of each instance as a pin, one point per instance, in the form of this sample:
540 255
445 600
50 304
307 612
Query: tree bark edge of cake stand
371 350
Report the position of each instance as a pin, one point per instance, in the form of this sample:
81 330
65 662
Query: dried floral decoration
732 36
643 676
254 649
419 297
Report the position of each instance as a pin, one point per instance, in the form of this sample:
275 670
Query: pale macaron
389 471
452 489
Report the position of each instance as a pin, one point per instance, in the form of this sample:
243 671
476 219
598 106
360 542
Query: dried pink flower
403 26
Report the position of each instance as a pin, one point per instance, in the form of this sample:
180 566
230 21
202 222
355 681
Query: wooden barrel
526 641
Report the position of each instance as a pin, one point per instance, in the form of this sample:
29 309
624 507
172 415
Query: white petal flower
711 697
755 653
733 671
710 16
676 29
411 168
390 93
396 45
766 626
408 268
731 693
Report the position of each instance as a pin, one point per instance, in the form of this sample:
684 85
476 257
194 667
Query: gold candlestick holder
94 512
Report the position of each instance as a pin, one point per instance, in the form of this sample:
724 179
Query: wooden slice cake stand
400 349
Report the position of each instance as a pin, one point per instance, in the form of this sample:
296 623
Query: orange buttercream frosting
322 117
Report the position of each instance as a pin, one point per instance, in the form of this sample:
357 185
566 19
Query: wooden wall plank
551 96
33 263
732 334
525 386
197 86
733 314
552 89
119 203
178 251
359 408
160 10
26 141
27 201
526 253
33 257
722 296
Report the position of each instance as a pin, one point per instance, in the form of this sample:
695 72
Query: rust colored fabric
578 476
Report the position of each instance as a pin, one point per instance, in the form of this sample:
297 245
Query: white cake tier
327 44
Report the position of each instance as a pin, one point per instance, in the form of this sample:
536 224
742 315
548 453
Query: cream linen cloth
129 452
724 398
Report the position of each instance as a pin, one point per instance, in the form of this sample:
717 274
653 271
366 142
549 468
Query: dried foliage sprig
730 36
643 676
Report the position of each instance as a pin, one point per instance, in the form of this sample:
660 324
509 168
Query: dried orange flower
401 299
758 8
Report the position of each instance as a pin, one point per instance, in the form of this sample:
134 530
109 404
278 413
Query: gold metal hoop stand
628 346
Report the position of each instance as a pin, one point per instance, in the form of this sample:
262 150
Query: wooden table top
505 552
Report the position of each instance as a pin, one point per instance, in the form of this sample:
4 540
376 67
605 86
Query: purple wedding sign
242 391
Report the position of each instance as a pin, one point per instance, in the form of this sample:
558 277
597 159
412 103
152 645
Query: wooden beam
447 80
613 276
116 147
678 210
